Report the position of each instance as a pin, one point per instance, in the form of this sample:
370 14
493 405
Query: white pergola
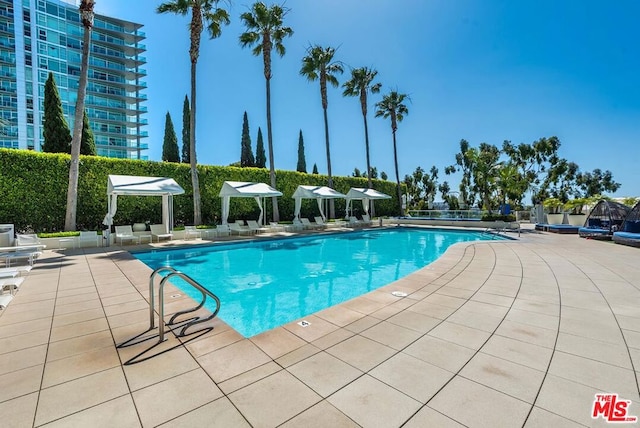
240 189
366 195
130 185
319 193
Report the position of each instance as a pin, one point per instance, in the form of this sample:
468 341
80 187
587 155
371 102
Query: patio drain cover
304 323
399 293
175 296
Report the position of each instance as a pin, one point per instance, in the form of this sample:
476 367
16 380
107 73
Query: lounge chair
255 227
10 284
90 236
275 227
125 233
27 239
295 226
320 222
366 220
354 222
28 254
308 225
223 230
239 230
191 231
12 272
158 232
4 300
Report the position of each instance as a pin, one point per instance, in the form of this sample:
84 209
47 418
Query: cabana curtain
241 189
130 185
366 195
319 193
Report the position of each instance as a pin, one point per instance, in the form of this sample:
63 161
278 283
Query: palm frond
179 7
249 38
215 20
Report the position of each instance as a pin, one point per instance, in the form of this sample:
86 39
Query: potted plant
575 206
555 215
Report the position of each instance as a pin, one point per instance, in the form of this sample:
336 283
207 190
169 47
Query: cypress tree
302 163
87 142
56 133
246 154
170 144
261 157
186 118
315 169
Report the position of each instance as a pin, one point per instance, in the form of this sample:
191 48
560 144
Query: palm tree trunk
197 217
332 207
272 169
74 167
366 144
395 159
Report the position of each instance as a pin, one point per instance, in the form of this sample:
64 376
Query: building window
42 35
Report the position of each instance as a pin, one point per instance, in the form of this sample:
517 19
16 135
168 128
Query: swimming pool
263 284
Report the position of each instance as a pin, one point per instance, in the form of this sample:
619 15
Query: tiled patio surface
493 334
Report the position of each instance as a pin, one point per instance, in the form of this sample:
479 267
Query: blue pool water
263 284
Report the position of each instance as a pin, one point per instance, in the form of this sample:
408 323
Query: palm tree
86 17
392 106
360 84
266 32
318 65
202 12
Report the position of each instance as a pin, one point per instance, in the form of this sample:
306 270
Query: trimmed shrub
33 186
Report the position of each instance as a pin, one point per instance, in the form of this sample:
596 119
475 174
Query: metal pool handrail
188 280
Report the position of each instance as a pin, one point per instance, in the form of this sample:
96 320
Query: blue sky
485 71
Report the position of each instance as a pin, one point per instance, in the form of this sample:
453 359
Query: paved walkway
493 334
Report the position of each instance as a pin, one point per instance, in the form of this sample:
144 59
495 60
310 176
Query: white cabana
365 195
319 193
240 189
130 185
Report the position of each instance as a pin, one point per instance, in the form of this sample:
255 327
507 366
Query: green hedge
33 189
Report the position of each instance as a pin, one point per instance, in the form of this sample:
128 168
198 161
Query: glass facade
38 37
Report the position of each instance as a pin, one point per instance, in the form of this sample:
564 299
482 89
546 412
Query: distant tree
315 169
203 12
186 118
596 182
266 31
87 143
170 143
246 154
261 157
463 164
318 64
56 133
302 163
383 175
486 165
374 173
392 106
356 173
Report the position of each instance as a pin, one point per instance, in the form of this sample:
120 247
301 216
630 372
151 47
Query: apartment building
42 36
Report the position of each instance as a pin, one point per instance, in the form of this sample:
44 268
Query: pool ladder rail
178 327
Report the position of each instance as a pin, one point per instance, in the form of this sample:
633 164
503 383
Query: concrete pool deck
495 333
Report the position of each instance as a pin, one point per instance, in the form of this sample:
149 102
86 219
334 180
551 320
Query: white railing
447 214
